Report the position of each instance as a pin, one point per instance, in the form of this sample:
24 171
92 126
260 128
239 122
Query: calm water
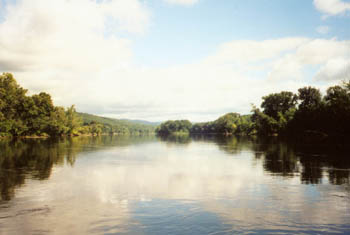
145 185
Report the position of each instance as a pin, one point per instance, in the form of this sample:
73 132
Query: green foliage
310 112
305 114
73 121
282 113
229 124
263 123
315 115
178 127
22 115
12 100
310 98
115 126
30 115
232 123
278 103
278 110
337 110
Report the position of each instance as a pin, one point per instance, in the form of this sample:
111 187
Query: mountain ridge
87 118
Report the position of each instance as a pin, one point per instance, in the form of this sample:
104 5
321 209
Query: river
148 185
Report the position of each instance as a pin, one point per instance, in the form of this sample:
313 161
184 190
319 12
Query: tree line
229 124
101 125
308 114
36 115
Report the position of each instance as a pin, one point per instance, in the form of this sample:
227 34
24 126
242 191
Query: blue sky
173 59
190 33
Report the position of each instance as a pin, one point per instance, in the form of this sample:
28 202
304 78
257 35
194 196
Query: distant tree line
307 114
23 115
102 125
177 127
229 124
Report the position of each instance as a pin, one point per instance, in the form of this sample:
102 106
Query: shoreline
82 135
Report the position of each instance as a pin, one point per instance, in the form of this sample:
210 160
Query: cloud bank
80 58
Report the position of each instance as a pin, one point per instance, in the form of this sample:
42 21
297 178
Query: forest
37 116
307 114
231 123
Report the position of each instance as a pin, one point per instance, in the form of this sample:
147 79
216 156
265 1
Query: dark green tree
310 98
12 99
278 103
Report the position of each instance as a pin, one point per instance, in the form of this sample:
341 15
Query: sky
173 59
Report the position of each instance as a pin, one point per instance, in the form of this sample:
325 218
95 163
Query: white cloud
335 69
229 80
60 35
128 15
55 47
319 51
182 2
316 52
322 29
245 51
332 7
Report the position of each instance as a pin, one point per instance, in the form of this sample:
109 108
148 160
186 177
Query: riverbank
79 135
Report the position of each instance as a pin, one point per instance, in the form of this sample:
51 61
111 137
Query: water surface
145 185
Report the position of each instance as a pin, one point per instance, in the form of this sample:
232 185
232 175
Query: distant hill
87 118
141 122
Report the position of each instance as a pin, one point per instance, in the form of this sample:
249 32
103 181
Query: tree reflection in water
28 158
34 158
288 159
312 162
176 139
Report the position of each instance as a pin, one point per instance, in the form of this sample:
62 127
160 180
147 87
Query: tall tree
310 98
12 97
278 102
73 121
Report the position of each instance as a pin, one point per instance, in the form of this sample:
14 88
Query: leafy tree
263 123
174 127
278 102
12 96
229 124
73 121
337 106
310 98
310 113
36 115
57 124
